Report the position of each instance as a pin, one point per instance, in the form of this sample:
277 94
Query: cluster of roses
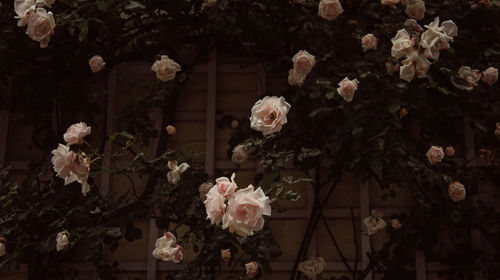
41 24
433 40
436 154
70 165
472 77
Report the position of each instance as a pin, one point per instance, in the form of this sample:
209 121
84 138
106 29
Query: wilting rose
167 250
369 42
303 62
269 114
165 68
252 268
171 130
456 191
71 166
449 151
435 154
23 9
469 75
374 224
204 189
437 37
225 255
391 68
414 64
41 26
329 9
240 154
313 267
390 3
245 210
296 78
76 132
174 175
490 76
396 224
62 240
402 44
416 10
96 63
347 88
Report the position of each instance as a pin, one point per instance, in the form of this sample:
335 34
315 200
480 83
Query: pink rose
269 114
203 189
390 3
96 63
456 191
240 154
369 42
490 76
245 210
396 224
449 151
215 206
23 9
225 255
166 249
252 268
416 10
303 62
296 78
435 154
313 267
41 26
347 88
329 9
165 68
76 132
225 186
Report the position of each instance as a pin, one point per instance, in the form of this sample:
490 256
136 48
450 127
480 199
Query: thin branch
356 245
332 237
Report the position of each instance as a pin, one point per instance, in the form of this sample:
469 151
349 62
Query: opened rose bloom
41 26
167 250
374 223
203 189
165 68
313 267
23 9
71 166
456 191
414 64
437 37
296 78
329 9
347 88
269 114
435 154
225 255
76 132
415 9
215 206
369 42
245 210
96 63
252 268
390 3
470 76
402 44
303 62
62 240
240 154
490 76
174 175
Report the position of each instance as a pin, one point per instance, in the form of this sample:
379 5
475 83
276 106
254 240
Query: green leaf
292 195
392 108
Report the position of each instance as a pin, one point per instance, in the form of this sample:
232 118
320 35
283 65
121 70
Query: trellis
151 266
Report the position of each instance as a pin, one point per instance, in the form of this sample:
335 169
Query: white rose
369 42
269 114
435 154
165 68
347 88
416 10
203 189
23 9
374 224
41 26
96 63
303 62
469 75
62 240
456 191
71 167
240 154
313 267
174 175
329 9
437 38
167 250
245 210
251 269
402 44
296 78
414 64
490 76
76 132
